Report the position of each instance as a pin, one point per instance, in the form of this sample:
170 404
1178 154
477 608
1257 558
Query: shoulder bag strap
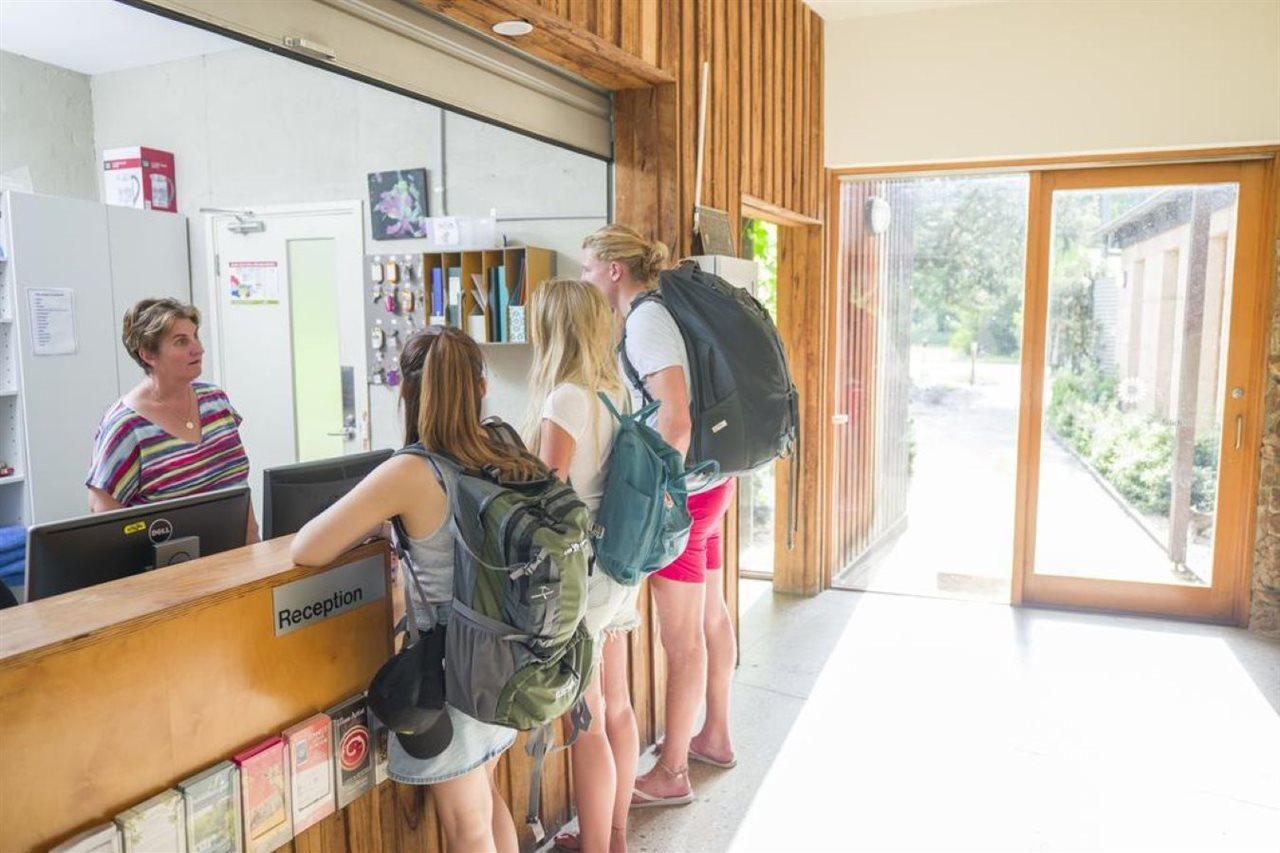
627 367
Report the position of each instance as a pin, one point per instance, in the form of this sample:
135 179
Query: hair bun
658 254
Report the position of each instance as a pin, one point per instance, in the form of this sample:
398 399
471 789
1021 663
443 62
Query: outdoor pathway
958 541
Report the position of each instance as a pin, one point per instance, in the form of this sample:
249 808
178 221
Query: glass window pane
1136 347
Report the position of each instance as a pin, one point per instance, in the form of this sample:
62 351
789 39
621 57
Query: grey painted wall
46 125
248 128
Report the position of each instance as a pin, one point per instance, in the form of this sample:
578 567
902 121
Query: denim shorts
611 607
473 744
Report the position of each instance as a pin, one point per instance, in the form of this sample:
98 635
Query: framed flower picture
398 204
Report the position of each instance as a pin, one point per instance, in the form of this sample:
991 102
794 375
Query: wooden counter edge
32 631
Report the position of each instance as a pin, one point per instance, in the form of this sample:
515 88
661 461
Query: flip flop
567 841
702 758
641 800
714 762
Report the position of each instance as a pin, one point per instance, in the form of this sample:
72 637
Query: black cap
407 695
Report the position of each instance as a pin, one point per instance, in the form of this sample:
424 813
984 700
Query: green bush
1131 451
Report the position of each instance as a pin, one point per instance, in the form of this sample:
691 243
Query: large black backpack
744 406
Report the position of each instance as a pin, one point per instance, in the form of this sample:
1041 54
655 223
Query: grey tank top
433 557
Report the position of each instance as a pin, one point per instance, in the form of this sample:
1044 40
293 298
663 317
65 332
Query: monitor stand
178 550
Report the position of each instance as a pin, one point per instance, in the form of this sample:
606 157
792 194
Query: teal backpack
643 520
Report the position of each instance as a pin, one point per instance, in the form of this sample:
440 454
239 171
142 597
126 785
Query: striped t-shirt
137 462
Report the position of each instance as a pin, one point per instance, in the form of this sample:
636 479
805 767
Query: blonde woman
689 594
571 431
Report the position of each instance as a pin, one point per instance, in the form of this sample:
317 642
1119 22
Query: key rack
407 292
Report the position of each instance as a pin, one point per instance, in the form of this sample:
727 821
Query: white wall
1036 78
248 128
46 125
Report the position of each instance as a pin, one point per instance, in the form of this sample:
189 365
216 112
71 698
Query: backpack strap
446 472
538 747
639 417
793 486
710 468
502 432
627 367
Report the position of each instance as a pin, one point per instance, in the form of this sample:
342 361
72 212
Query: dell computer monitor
68 555
292 495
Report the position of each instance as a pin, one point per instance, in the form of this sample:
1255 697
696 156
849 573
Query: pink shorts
704 548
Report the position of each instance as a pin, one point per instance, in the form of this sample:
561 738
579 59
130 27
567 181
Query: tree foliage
969 236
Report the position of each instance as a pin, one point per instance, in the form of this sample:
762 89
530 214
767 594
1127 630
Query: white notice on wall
254 283
53 320
446 231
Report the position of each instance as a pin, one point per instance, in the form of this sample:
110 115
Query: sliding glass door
1141 384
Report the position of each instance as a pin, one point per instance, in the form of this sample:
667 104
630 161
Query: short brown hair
644 259
148 321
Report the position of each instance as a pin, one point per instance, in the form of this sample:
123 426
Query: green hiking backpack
516 651
643 521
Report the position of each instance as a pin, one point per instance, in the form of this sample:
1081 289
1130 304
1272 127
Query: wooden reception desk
114 693
111 694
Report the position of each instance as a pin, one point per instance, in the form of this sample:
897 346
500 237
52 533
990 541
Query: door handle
1239 431
348 430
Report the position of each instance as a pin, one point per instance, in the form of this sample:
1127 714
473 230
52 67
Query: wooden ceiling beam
555 40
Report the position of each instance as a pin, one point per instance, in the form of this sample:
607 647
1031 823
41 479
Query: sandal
567 841
571 842
703 758
642 800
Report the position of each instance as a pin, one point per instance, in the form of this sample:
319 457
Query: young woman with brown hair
441 394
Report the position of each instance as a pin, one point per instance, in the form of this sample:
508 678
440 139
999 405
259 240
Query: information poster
53 320
254 282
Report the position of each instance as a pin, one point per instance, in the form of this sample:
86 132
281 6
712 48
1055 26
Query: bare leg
715 739
680 615
504 828
465 806
594 778
624 738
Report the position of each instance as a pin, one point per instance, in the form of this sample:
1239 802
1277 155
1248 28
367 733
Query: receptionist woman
171 436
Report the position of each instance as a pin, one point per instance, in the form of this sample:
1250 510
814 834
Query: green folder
504 300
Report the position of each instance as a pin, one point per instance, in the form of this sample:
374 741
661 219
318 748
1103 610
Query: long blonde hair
571 328
644 259
441 393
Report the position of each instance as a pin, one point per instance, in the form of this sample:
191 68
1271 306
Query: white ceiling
842 10
94 36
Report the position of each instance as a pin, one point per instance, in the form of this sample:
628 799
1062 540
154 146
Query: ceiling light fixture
513 28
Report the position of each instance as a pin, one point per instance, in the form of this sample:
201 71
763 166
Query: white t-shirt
653 344
581 414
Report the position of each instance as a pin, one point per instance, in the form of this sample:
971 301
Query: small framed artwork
398 204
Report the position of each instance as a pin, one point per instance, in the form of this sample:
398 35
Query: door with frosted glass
1140 418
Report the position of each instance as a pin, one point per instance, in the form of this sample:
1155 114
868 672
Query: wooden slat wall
763 142
764 119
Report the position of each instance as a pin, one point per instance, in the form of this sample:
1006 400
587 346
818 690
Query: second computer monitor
292 495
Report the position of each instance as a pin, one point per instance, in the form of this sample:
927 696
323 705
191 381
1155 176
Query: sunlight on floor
884 722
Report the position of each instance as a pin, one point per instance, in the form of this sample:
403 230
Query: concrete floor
884 722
